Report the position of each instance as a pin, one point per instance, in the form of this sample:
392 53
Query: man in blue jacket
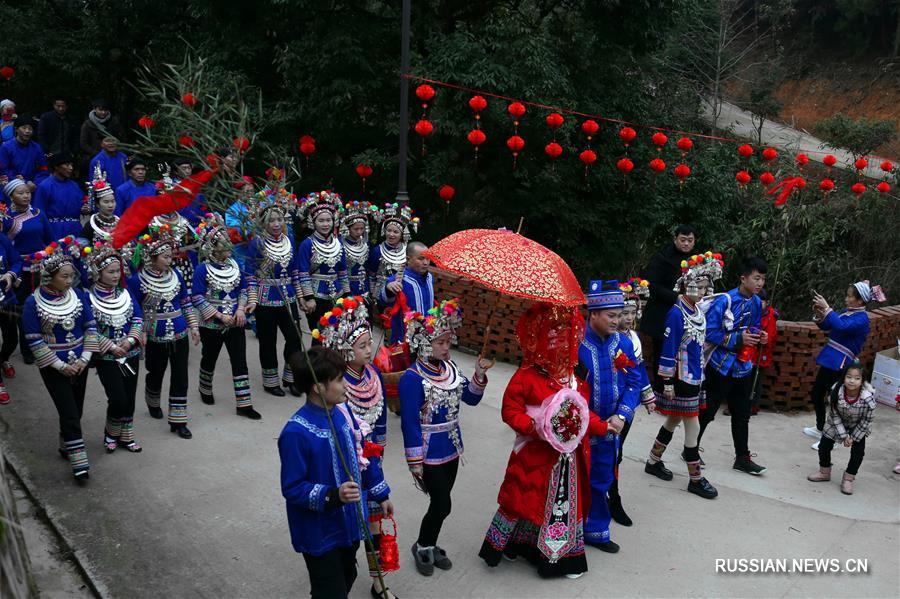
733 322
23 158
137 185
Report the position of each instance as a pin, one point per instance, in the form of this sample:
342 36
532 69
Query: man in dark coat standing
663 272
57 131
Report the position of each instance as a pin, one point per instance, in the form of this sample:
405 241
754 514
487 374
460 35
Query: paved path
787 138
205 518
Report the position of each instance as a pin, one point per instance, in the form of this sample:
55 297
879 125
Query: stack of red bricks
786 384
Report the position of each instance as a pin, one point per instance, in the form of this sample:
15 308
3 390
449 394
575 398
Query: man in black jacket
663 272
57 131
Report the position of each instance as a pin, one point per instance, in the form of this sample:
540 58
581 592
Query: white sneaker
811 431
815 446
574 576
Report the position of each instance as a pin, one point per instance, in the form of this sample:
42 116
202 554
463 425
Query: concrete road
205 517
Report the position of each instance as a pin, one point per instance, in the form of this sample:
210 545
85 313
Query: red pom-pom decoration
829 160
186 141
477 104
476 137
745 151
424 128
769 154
625 165
553 149
682 171
883 187
307 145
802 160
858 189
145 122
446 192
7 72
743 177
861 163
189 99
627 135
767 178
659 139
515 144
590 128
425 92
887 166
554 120
241 144
826 185
364 171
685 144
516 110
658 165
588 157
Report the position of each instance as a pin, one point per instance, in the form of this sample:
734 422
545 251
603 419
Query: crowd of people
76 302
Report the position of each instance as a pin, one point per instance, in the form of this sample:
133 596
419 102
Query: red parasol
510 264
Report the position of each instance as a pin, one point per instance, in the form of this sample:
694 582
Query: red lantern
887 166
826 185
588 157
659 139
743 177
627 135
476 137
554 120
682 171
769 154
515 144
241 144
189 99
388 553
625 165
802 160
829 160
516 110
424 128
553 149
767 178
658 165
425 92
7 72
746 151
364 171
186 141
590 128
145 122
861 163
307 146
477 104
858 189
447 192
685 144
883 187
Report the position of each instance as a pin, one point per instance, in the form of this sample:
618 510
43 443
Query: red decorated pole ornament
364 171
769 154
743 178
7 72
682 171
685 144
829 160
553 149
745 151
423 128
861 164
587 158
146 123
516 110
477 104
241 144
425 93
659 140
887 166
883 187
858 189
554 120
515 145
658 165
625 165
826 185
802 160
627 135
767 178
307 147
590 128
446 192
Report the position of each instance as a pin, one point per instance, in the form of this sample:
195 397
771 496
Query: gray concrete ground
205 517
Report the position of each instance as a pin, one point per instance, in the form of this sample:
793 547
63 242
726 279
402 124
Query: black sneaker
424 560
658 470
746 464
703 489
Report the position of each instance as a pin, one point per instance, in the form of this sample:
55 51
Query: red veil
549 336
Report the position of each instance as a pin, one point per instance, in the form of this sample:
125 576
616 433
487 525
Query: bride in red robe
546 491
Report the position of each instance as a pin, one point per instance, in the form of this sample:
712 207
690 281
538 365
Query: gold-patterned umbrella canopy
510 264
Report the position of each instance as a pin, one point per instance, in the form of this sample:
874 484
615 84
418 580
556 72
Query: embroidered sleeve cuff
477 386
190 315
317 498
379 492
626 413
207 311
647 395
666 372
415 456
106 344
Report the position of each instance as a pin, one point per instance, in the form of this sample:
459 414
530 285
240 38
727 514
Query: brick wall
786 385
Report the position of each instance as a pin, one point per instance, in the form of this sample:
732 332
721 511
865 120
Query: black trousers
825 380
312 319
269 320
735 393
235 342
120 387
332 574
857 452
67 394
158 356
439 482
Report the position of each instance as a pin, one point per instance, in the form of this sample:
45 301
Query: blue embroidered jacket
317 278
29 232
61 201
848 330
113 166
365 408
164 319
269 283
10 261
419 292
209 301
311 472
56 345
646 390
110 334
746 312
357 277
26 160
129 191
429 411
612 391
681 356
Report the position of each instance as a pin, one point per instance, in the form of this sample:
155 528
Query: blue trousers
604 451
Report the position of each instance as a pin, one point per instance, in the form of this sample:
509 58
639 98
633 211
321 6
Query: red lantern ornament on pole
425 93
826 185
515 145
659 140
587 158
553 149
745 151
7 72
766 178
858 189
682 171
769 154
743 178
887 166
829 161
476 137
364 171
685 144
590 128
627 135
516 110
307 147
658 165
423 129
554 120
446 192
861 164
883 187
625 165
802 160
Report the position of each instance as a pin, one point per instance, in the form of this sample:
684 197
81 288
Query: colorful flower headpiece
151 244
340 327
422 329
55 255
316 202
270 198
356 212
707 265
635 288
99 256
212 234
402 216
